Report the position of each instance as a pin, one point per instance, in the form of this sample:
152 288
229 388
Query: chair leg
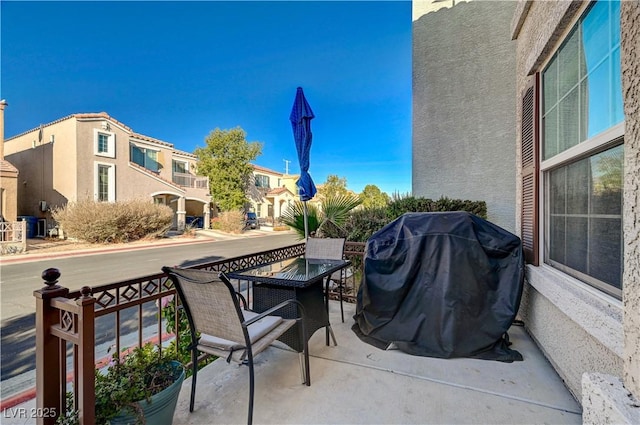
194 361
341 307
302 372
251 388
333 337
305 354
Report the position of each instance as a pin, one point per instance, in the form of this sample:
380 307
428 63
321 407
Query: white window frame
111 189
144 150
602 141
179 161
111 143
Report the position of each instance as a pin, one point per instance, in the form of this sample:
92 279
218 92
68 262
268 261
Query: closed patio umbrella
301 116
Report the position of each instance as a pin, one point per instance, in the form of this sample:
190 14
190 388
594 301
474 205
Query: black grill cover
441 285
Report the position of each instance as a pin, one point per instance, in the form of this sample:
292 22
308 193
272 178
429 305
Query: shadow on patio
356 383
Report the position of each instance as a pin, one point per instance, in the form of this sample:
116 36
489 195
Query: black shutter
530 167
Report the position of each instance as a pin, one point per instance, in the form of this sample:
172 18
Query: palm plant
331 216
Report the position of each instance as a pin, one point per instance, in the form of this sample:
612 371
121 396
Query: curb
26 258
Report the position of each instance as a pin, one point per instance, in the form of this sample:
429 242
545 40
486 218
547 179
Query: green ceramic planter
162 407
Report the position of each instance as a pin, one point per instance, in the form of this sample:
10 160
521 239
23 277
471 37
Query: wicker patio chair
226 330
329 249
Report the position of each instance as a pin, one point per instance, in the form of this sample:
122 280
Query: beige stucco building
576 99
271 192
8 178
97 157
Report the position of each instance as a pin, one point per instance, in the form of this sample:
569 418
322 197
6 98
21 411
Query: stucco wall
39 180
577 329
463 106
580 329
9 195
630 55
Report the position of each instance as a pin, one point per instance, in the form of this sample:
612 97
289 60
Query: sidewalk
38 249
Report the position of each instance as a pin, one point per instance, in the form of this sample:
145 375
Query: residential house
8 178
95 156
271 193
577 174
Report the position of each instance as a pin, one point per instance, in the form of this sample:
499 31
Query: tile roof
87 116
7 167
265 169
278 191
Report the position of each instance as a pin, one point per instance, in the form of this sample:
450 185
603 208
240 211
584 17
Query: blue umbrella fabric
301 116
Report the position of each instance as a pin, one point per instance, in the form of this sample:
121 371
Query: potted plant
141 386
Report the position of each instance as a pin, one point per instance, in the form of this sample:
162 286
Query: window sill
598 314
104 155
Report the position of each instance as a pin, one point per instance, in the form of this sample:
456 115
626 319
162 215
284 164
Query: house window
104 143
147 158
180 167
262 181
105 182
582 151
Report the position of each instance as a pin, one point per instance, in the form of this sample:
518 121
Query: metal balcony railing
67 324
190 180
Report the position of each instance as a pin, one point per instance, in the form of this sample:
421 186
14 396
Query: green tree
373 197
226 161
334 186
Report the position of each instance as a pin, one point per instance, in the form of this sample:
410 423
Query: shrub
326 221
401 205
363 223
106 222
229 221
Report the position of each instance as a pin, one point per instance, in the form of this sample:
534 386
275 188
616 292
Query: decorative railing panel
13 237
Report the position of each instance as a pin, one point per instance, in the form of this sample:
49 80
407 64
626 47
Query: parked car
251 221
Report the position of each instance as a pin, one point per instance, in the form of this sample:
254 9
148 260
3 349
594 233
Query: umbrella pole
306 225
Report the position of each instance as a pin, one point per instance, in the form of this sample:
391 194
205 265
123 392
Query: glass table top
297 270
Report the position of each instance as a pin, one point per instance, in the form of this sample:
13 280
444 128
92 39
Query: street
18 281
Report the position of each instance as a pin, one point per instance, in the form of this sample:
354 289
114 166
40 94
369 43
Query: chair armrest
274 309
243 299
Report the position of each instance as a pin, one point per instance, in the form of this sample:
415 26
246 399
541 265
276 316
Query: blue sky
177 70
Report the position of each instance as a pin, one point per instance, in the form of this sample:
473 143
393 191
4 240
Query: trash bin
32 225
194 221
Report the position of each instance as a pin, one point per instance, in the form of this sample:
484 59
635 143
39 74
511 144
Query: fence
68 318
13 237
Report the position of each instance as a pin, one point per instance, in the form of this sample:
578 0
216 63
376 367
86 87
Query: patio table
297 278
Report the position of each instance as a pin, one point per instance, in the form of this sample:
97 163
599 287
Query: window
147 158
582 151
104 143
105 183
180 167
262 181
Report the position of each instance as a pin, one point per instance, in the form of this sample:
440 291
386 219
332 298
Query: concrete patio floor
356 383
